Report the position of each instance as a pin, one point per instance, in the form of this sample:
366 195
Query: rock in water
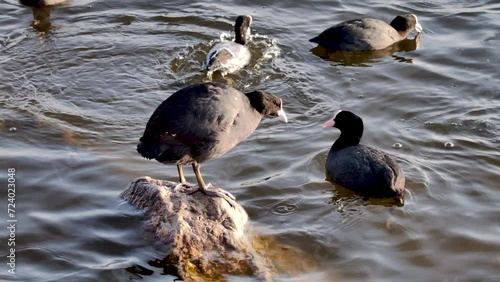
205 235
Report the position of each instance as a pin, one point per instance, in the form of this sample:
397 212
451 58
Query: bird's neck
346 140
240 36
404 33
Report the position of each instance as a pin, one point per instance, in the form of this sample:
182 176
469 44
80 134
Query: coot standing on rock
360 168
228 57
202 122
367 34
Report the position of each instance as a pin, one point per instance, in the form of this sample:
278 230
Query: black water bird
367 34
202 122
361 168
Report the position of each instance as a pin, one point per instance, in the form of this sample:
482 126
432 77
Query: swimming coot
202 122
228 57
367 34
360 168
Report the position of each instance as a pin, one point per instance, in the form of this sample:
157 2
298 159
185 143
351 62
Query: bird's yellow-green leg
201 183
203 188
182 179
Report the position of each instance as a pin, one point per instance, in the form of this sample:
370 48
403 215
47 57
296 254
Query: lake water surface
75 99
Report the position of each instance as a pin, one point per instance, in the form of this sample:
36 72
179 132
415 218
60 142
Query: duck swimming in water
228 57
40 3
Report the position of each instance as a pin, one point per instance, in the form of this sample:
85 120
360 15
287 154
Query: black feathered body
365 170
198 123
359 35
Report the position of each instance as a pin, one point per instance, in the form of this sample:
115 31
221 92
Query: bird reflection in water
41 13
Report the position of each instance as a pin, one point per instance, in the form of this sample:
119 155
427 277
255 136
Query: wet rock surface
205 235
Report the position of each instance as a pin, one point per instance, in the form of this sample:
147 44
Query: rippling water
75 99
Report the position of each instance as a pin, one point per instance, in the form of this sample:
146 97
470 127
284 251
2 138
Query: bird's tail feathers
148 150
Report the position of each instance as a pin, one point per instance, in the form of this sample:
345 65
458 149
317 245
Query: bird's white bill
282 115
418 27
329 123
